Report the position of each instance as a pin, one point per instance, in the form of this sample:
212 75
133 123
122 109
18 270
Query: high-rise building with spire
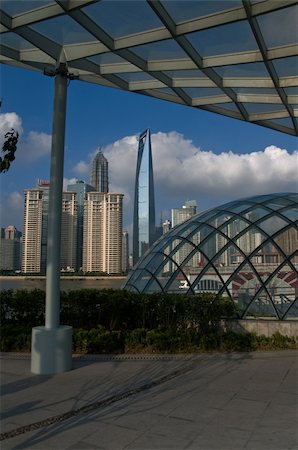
100 173
144 231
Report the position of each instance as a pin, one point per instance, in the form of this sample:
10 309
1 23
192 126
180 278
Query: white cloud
183 171
67 181
11 205
31 146
82 168
34 146
7 122
225 175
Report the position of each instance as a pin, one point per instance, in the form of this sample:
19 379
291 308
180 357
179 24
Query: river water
65 284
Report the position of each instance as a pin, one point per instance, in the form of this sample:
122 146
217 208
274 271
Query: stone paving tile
58 436
278 438
279 416
240 419
152 441
133 419
220 437
175 426
255 395
253 407
83 445
196 412
286 398
110 436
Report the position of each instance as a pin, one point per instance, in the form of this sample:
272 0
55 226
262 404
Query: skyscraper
144 207
99 173
34 247
69 231
10 249
44 187
125 252
180 215
188 210
166 226
102 239
32 231
80 188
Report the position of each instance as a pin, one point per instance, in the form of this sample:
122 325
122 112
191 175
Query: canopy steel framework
236 58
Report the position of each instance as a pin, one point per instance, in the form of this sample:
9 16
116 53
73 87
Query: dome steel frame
246 250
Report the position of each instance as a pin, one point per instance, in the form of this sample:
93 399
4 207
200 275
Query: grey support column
51 350
55 203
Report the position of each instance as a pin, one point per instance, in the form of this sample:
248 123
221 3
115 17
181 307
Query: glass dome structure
245 249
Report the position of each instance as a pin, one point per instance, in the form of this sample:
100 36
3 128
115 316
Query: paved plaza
204 401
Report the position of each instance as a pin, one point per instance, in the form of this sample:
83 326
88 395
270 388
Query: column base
51 350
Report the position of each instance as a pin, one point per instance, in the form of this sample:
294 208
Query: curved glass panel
20 6
63 30
123 18
207 44
246 250
192 9
285 21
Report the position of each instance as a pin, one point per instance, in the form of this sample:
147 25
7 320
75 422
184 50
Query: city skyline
191 146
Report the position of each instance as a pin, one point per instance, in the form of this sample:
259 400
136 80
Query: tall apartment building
102 236
69 231
80 188
180 215
125 252
10 246
166 226
44 186
32 231
35 226
100 173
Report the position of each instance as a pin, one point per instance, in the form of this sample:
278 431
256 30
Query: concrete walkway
207 401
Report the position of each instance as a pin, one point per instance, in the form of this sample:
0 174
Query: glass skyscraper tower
99 173
144 208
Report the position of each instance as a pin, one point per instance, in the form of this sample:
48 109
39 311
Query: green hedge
118 309
117 321
100 341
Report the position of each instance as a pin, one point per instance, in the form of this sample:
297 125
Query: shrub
15 339
205 311
98 341
118 309
239 342
22 307
135 339
281 342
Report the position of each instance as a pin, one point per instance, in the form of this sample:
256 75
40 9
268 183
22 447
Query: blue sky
196 154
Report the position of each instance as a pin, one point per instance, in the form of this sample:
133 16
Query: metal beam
41 42
269 65
163 15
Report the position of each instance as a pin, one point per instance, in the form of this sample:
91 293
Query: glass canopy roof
235 58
